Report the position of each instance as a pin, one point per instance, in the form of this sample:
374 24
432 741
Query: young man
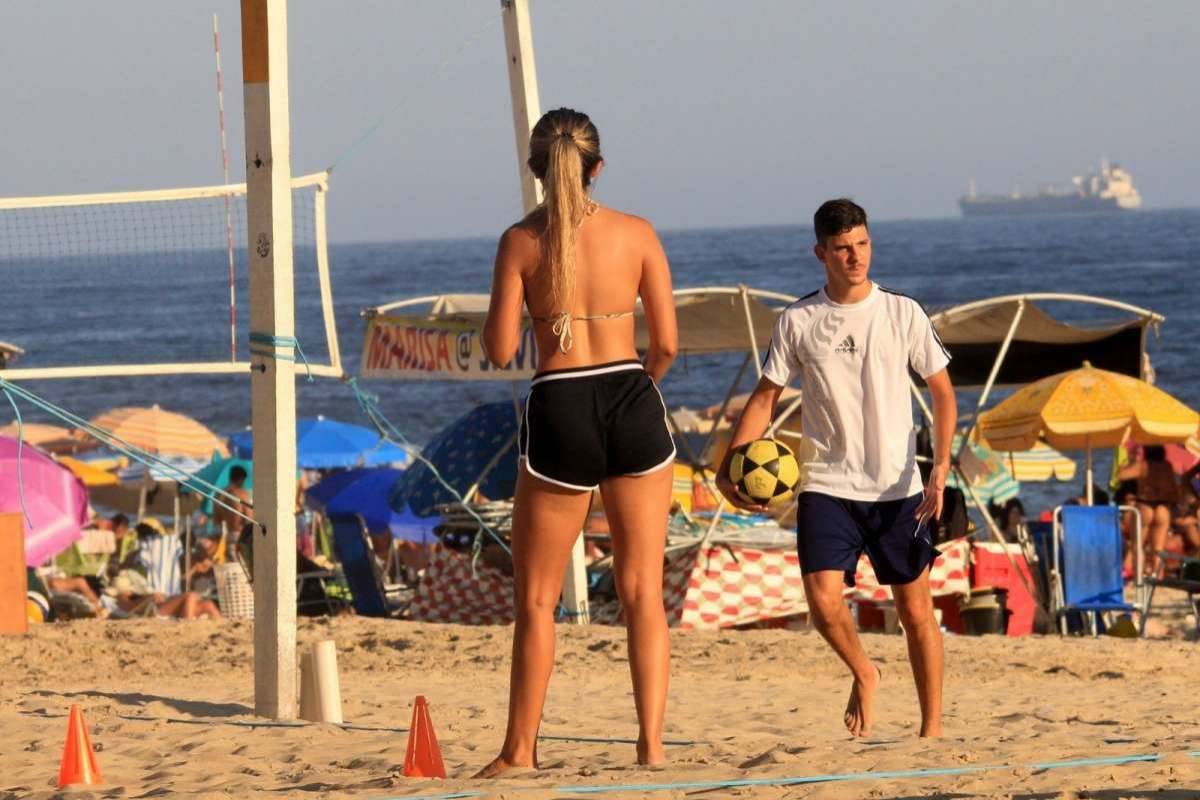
852 343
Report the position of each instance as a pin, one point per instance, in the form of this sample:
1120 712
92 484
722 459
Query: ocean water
72 308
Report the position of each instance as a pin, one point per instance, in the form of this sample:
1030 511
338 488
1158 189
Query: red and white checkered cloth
717 586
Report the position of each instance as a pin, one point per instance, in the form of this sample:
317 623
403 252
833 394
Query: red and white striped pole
228 206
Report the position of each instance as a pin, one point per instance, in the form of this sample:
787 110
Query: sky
711 113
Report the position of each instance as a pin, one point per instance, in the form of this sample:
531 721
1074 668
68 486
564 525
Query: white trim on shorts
674 450
586 373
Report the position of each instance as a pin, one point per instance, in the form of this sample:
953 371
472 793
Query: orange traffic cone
423 758
78 761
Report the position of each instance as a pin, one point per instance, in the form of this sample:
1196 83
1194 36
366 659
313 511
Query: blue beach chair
1086 563
363 575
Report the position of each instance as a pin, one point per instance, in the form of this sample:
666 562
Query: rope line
209 490
266 345
845 777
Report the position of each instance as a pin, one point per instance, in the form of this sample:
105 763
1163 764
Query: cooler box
991 567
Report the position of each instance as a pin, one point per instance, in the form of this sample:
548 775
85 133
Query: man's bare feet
860 708
650 756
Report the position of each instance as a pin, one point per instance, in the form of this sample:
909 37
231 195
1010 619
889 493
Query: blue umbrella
326 444
364 492
460 451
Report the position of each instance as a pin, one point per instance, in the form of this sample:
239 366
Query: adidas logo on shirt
847 346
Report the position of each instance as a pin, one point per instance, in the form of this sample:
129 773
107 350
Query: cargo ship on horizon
1110 189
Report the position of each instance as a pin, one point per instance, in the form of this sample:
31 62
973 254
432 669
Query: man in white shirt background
851 344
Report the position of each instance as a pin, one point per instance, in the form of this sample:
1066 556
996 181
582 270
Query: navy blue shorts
832 532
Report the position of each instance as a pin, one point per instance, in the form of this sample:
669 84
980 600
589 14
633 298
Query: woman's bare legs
1158 524
546 521
637 510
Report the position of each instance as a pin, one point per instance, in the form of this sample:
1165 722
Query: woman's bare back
618 257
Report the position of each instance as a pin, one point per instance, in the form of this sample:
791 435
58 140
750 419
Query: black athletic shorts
585 424
832 532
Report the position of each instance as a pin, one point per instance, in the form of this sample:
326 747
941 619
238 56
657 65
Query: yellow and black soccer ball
764 472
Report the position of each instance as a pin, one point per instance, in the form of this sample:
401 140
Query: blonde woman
594 419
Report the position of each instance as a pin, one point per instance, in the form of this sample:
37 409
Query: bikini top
562 325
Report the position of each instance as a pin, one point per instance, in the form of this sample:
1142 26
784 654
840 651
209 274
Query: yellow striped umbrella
1041 463
35 433
163 433
1086 408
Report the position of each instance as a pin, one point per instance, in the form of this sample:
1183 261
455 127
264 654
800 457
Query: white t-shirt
856 415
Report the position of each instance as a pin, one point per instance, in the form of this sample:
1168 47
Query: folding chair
1086 563
1188 580
313 584
352 543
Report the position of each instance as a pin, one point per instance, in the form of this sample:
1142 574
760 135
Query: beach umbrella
163 433
216 473
366 492
1041 463
47 437
328 444
1086 408
481 443
50 499
986 471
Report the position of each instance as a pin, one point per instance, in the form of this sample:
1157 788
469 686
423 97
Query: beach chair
160 556
1086 559
318 591
1187 580
372 597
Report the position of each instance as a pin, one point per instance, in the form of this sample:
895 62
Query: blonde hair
564 148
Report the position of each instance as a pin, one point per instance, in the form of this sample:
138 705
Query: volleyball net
152 282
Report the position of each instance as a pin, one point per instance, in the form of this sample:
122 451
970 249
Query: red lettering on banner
410 348
443 351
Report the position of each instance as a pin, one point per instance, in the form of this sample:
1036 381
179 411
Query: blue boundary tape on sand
784 781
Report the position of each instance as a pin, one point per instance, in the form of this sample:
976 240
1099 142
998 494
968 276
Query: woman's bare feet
650 755
502 765
860 708
499 768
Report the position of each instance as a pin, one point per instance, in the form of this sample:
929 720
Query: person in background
1157 494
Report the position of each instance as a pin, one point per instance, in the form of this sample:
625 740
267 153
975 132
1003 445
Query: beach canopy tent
48 496
1018 338
439 337
323 443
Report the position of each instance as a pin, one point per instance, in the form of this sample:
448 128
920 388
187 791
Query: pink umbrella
55 500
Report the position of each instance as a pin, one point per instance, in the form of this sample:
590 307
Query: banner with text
419 348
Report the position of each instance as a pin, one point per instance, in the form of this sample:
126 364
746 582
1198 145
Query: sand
763 705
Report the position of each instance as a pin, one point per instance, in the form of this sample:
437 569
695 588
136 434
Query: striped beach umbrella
987 473
163 433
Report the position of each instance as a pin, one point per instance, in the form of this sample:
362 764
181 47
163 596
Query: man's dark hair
237 474
120 519
1155 452
837 216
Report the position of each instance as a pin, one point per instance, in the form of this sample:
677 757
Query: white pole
1088 447
272 382
522 85
228 208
